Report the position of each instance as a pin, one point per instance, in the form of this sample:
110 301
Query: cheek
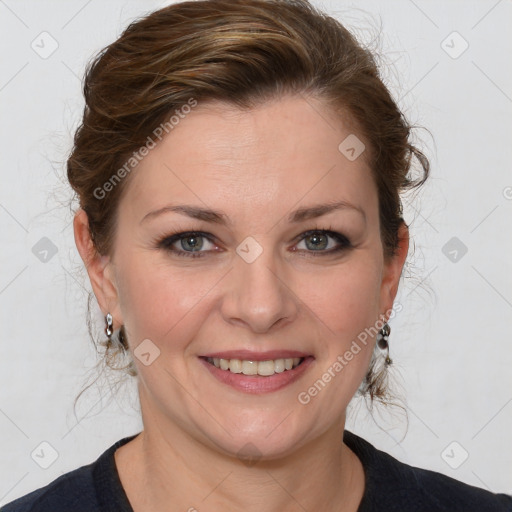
346 301
346 298
157 300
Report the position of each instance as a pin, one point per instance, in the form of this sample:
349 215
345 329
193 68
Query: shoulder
392 485
433 489
88 488
71 491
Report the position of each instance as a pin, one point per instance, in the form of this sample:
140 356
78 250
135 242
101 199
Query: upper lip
250 355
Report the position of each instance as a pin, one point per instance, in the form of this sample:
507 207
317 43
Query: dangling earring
117 338
110 325
382 341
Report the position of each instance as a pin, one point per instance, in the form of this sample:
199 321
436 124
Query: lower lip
258 383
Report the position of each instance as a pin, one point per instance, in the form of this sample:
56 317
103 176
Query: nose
260 294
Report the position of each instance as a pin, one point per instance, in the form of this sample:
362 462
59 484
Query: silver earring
382 341
117 337
110 324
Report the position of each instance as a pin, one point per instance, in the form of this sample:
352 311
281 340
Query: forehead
276 156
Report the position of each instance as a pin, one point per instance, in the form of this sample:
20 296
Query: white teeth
279 365
250 367
263 368
266 368
235 366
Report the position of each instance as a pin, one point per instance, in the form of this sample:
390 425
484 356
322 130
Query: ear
392 271
99 268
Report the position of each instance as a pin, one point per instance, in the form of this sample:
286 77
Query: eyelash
168 241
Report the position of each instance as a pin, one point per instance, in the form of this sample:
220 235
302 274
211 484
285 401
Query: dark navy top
390 486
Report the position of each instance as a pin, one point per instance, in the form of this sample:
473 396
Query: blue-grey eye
319 241
192 242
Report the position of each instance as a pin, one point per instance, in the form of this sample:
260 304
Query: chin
264 439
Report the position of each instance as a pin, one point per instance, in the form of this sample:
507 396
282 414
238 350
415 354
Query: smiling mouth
261 368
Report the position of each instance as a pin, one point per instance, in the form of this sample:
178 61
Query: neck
167 469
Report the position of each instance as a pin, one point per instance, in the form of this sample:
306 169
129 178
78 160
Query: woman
239 169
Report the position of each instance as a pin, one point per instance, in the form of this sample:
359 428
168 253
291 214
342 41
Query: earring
382 341
110 325
118 337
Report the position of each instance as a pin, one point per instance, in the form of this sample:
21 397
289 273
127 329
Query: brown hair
243 52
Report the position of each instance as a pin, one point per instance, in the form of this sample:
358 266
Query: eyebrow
219 217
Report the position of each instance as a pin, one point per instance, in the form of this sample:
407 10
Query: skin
257 166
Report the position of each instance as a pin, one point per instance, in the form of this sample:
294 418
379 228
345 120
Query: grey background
451 343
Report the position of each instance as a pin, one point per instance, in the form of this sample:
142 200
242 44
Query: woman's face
259 287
